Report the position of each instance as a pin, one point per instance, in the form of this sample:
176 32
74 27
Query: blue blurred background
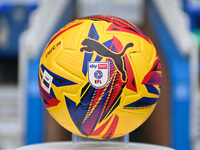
173 26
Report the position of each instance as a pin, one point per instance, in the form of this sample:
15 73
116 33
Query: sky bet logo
98 73
100 66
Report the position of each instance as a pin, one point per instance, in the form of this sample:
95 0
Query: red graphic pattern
110 132
153 76
121 25
101 128
48 100
131 83
117 89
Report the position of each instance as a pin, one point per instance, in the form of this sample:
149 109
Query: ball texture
100 77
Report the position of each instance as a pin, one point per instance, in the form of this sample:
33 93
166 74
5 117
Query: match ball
100 77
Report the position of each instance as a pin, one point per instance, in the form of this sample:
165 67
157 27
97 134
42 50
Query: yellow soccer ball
100 77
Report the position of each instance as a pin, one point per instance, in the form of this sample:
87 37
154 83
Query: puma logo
93 45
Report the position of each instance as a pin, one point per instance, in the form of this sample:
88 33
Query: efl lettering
97 81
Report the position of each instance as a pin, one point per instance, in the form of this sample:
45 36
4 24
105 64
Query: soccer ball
100 77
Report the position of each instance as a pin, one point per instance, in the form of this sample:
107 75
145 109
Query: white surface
69 146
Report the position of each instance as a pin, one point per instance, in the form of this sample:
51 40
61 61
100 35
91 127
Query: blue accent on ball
87 58
113 48
94 116
93 33
71 106
98 74
108 43
52 93
85 100
98 58
151 89
58 80
78 112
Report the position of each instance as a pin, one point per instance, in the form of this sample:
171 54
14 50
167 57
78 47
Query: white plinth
69 146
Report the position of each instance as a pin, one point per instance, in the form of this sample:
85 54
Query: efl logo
98 73
103 66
